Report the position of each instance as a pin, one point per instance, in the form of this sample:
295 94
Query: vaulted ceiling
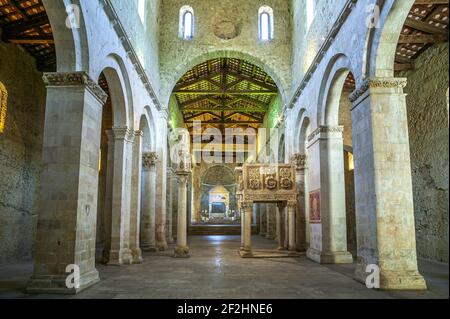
225 93
25 22
427 24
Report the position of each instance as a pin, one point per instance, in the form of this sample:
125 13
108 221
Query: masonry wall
212 18
20 153
307 41
144 35
427 107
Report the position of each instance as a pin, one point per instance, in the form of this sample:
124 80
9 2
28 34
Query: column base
137 256
394 280
120 257
245 253
335 257
149 248
162 247
48 284
181 252
268 236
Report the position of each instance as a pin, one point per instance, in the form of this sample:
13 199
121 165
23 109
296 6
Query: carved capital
149 160
138 133
182 179
299 161
183 164
123 133
291 205
247 205
377 83
75 79
325 130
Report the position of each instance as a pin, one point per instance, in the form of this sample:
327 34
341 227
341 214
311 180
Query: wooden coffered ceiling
25 22
427 24
225 93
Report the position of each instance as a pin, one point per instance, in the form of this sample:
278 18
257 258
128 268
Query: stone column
271 211
171 190
383 185
242 228
182 249
282 229
267 210
302 233
66 227
263 220
135 218
161 188
247 235
108 196
174 209
291 208
120 252
149 201
330 233
196 194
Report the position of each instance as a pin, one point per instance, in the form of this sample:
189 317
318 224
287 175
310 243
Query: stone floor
215 271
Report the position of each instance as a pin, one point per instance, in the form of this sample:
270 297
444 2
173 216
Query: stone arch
303 134
226 168
185 67
282 149
382 42
331 90
71 44
120 91
147 127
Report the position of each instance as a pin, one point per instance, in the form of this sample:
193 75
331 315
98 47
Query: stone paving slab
215 270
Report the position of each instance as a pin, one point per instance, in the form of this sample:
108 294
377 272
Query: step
224 230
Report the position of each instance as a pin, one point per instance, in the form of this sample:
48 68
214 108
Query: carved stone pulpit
266 183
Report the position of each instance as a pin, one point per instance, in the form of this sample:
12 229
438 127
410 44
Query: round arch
228 170
147 127
120 90
331 90
382 42
71 44
185 67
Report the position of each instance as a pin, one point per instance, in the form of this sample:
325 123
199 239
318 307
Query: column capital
138 133
299 161
378 83
325 130
183 164
68 79
123 133
182 179
247 205
291 205
149 160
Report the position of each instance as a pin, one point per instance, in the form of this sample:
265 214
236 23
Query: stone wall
307 41
143 35
427 107
20 152
178 56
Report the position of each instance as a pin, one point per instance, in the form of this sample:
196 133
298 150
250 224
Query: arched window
3 106
186 31
141 10
266 23
310 12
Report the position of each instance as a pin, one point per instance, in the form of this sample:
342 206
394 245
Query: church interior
173 149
